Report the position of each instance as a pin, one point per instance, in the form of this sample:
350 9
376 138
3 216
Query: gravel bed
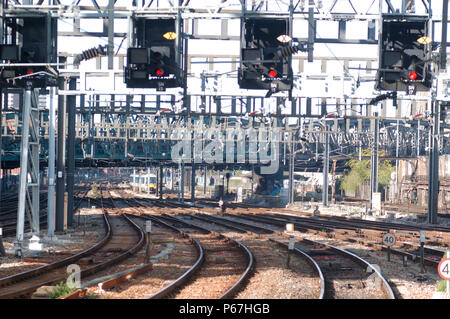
356 212
71 242
340 284
164 271
272 278
222 268
406 282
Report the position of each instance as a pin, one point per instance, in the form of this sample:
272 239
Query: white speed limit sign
444 269
389 239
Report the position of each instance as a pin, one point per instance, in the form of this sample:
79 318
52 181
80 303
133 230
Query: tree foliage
360 172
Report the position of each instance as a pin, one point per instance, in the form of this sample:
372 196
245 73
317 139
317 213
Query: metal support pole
60 163
179 182
443 53
71 101
1 107
374 163
157 183
172 177
140 179
110 49
182 182
375 154
311 31
2 248
433 176
161 177
51 169
34 161
253 179
397 188
26 113
148 181
193 180
204 181
326 168
291 171
418 139
333 185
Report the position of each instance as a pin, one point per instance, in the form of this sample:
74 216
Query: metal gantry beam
214 99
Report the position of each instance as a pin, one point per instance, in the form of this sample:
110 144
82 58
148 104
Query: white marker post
422 250
289 227
389 240
291 246
148 230
444 270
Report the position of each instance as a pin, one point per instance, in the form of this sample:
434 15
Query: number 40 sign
444 269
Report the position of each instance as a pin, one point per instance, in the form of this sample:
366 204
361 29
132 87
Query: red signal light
413 75
29 72
273 73
159 72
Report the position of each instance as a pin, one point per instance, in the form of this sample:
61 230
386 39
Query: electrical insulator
90 54
286 52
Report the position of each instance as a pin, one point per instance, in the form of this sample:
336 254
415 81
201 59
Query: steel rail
164 292
187 274
332 227
93 269
250 264
386 287
307 257
47 268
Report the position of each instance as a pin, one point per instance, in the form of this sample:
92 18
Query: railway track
117 244
8 218
371 224
407 238
234 271
236 267
182 279
346 274
401 208
368 233
308 270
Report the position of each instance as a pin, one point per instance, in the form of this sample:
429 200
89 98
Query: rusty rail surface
8 223
385 285
60 263
83 273
113 281
307 257
164 292
338 230
250 264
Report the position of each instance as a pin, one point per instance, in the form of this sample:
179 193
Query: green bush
360 172
442 286
94 192
60 290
